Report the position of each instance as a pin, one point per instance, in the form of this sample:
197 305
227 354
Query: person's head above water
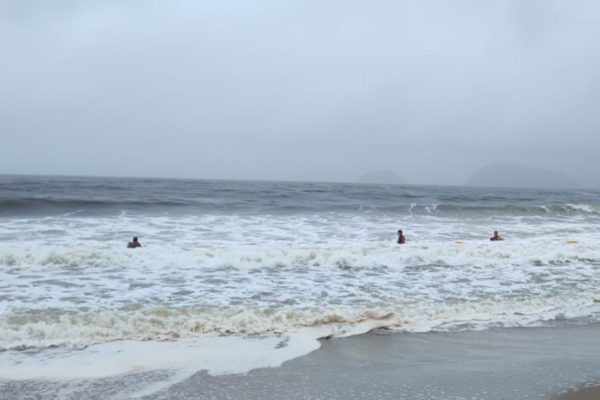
401 238
134 243
496 236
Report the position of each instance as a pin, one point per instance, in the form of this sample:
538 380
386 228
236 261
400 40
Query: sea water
238 275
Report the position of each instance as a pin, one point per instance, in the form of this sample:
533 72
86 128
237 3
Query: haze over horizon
311 91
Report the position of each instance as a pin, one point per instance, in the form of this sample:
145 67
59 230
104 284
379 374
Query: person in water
496 237
401 238
134 243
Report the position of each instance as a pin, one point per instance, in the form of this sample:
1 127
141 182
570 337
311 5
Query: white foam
217 355
69 281
586 208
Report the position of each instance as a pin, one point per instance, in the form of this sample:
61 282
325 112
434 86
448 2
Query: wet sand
503 364
592 393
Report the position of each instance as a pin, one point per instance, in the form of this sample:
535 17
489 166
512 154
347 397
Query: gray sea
234 276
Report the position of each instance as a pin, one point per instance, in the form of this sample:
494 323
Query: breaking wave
69 297
50 206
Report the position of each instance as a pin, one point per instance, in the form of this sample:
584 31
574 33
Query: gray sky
299 90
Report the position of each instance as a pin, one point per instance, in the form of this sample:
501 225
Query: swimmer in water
496 237
401 238
134 243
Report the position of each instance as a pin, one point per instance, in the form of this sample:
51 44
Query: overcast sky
299 90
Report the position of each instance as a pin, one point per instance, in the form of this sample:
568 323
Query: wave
80 329
536 251
449 253
77 297
491 210
54 328
52 205
37 203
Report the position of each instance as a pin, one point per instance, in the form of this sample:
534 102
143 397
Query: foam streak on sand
499 364
178 360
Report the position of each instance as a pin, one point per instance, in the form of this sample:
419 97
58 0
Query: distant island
385 177
518 176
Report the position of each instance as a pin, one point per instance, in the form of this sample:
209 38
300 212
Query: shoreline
548 363
587 393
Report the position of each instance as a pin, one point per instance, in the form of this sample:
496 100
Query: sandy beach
503 364
539 363
592 393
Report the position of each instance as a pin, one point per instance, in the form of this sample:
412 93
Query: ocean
239 275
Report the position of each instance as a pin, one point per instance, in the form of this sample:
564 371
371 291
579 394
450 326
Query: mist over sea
267 268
